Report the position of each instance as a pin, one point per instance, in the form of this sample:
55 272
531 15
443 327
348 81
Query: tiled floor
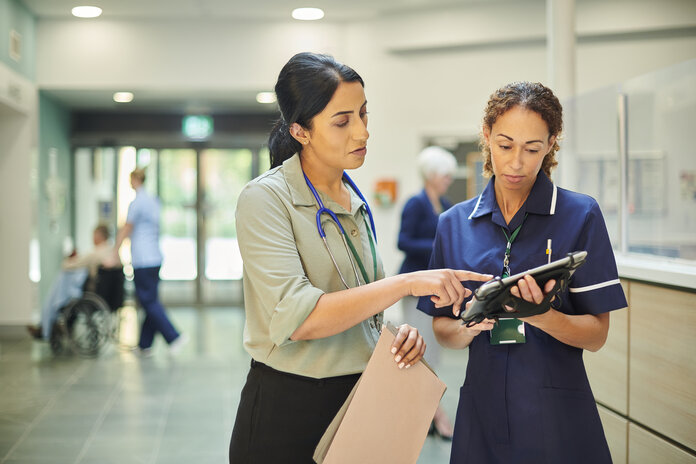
120 408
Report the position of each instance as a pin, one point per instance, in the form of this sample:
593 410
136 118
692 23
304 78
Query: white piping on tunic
553 200
595 286
476 207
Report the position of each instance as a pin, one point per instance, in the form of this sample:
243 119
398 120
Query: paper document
387 415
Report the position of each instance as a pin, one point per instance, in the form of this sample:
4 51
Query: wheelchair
85 324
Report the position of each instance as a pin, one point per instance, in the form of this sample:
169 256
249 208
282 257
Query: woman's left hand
585 331
528 289
408 347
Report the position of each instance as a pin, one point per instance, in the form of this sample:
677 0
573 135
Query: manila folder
387 415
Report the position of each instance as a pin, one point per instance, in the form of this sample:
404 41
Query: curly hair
532 96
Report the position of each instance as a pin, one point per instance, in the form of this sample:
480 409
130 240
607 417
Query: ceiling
203 101
211 100
266 10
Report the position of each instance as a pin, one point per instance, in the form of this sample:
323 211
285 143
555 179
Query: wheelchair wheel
58 340
88 323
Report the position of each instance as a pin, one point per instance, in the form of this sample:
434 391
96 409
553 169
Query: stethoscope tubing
324 210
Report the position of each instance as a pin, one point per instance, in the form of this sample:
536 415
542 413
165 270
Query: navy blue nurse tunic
418 226
530 402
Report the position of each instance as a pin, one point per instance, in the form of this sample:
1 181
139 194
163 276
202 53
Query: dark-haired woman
526 397
313 312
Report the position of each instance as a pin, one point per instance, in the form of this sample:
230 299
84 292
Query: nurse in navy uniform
526 398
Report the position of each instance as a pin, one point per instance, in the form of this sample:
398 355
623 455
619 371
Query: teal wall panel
15 16
55 186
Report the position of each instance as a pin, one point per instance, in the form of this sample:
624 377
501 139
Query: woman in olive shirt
312 320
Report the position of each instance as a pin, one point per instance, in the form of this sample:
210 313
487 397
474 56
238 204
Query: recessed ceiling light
123 97
86 11
266 97
308 14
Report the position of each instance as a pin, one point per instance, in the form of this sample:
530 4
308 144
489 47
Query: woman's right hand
444 286
476 329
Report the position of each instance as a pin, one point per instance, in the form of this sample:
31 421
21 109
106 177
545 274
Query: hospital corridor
322 232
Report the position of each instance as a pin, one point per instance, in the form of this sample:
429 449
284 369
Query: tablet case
491 304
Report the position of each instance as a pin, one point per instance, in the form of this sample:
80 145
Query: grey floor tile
110 456
60 449
119 408
35 460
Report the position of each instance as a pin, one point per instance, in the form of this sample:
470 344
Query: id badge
507 331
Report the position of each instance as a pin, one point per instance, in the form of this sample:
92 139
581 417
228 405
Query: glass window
147 159
224 174
662 163
178 231
264 160
588 161
660 210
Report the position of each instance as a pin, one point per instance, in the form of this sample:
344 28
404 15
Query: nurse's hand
444 286
585 331
528 289
474 330
408 347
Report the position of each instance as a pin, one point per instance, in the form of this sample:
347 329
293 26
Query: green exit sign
197 127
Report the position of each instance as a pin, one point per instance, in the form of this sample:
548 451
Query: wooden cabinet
645 375
662 360
607 369
646 448
616 431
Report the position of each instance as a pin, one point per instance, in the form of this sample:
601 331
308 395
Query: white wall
18 126
426 73
441 86
173 54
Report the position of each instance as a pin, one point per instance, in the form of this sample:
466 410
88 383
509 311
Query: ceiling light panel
307 14
86 11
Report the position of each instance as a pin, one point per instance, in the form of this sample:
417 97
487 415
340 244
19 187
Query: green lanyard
357 257
510 239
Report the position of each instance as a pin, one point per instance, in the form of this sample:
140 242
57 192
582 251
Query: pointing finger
469 275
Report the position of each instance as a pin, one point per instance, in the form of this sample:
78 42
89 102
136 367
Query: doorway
198 190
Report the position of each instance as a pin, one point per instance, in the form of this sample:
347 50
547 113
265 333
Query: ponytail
281 144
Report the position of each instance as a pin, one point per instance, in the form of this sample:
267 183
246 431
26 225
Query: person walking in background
418 225
142 226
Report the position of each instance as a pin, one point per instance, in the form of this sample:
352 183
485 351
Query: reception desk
644 378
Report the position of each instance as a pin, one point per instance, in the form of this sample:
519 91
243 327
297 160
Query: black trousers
282 417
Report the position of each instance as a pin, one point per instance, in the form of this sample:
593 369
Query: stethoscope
348 246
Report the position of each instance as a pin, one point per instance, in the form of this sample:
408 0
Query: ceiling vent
15 45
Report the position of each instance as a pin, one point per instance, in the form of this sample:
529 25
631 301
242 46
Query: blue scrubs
418 226
530 402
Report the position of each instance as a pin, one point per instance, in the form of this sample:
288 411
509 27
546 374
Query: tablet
491 297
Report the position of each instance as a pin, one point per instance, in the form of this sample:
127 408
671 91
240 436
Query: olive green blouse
287 269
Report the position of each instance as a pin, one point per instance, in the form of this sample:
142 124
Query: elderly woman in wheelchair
78 311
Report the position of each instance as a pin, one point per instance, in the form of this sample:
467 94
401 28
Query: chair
85 324
109 286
